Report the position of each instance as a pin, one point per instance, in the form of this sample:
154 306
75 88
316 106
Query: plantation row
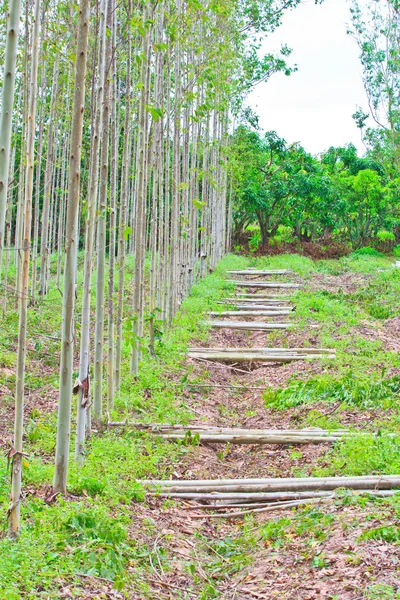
113 136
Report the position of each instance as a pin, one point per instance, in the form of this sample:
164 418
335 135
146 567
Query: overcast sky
314 105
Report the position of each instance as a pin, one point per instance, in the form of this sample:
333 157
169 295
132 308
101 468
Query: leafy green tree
366 205
277 183
375 27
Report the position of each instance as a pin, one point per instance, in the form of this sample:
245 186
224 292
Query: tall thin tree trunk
71 249
16 472
44 234
123 210
113 219
83 408
7 102
101 236
141 203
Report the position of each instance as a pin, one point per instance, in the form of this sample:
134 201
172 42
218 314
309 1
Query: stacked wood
224 435
260 311
264 284
255 295
253 300
248 325
306 351
261 495
271 307
245 355
274 484
252 294
260 272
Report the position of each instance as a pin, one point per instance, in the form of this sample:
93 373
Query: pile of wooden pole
253 301
248 325
260 272
257 296
261 495
274 306
258 311
224 435
264 284
282 355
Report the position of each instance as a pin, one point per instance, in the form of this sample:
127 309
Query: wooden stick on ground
257 306
260 272
262 312
254 301
248 325
226 386
250 357
284 484
267 350
254 295
265 284
267 508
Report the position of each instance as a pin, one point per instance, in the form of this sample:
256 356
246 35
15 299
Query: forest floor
107 539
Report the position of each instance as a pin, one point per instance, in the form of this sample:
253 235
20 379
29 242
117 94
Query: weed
381 591
386 533
349 390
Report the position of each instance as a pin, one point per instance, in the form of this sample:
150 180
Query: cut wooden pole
260 272
262 312
232 499
267 508
284 484
265 284
247 325
155 428
267 350
245 357
249 301
226 386
261 296
205 437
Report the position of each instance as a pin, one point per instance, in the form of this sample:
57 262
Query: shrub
366 251
255 241
386 236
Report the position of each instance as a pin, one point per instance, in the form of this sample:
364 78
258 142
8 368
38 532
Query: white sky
314 105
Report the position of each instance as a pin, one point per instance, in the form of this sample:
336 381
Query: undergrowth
90 531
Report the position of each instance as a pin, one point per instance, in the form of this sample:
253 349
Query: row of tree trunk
115 144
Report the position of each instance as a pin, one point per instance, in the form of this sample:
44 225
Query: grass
90 532
89 535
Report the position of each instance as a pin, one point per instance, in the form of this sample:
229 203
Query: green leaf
127 232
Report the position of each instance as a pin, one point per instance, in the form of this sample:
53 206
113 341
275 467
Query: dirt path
290 555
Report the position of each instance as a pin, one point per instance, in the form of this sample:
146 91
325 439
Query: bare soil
337 566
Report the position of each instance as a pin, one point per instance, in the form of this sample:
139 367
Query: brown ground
179 534
339 566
